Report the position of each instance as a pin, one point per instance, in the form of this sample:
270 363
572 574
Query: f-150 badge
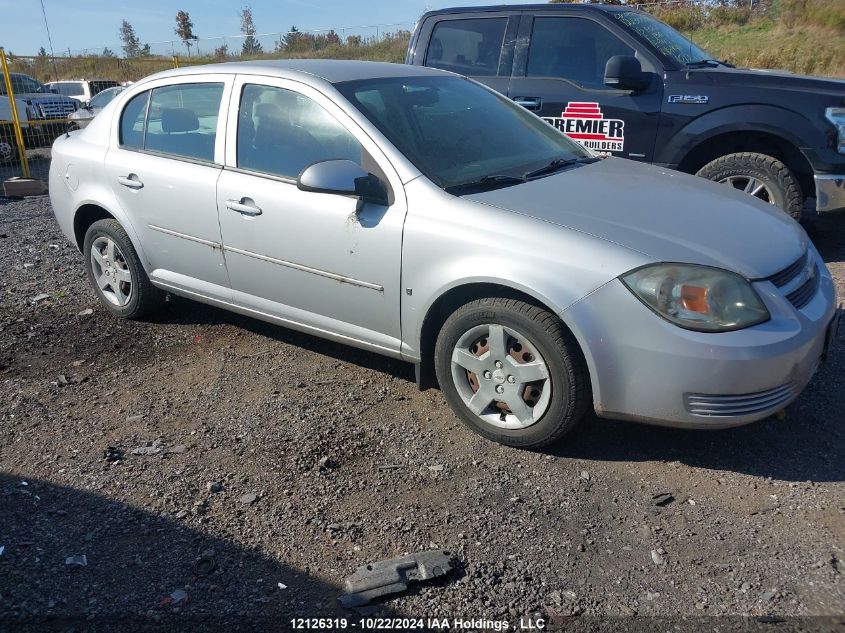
584 123
688 99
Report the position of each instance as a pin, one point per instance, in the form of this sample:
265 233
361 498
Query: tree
332 38
131 44
292 39
221 52
354 40
251 46
107 52
185 29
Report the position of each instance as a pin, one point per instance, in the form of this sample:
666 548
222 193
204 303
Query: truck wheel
762 176
8 151
512 372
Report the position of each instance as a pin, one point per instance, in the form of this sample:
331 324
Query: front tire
762 176
115 271
8 151
512 372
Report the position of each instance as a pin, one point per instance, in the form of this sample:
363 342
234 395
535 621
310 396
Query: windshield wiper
709 63
485 183
557 164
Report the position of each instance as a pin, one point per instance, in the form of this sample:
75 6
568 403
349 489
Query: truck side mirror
625 72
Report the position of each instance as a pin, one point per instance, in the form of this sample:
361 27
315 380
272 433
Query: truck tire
762 176
512 372
8 150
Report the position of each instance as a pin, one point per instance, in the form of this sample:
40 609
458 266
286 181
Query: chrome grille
55 108
709 405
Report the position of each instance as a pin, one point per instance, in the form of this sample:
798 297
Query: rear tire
763 176
115 271
509 397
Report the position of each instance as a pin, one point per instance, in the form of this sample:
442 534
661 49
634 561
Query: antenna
50 41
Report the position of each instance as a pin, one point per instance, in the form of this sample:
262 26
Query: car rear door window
132 121
281 132
182 120
469 46
572 48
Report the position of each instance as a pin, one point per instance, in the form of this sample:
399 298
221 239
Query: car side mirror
625 72
342 178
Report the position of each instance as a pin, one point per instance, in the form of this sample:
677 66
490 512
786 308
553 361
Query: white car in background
83 116
81 89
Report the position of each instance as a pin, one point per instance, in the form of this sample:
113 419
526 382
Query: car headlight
697 297
837 117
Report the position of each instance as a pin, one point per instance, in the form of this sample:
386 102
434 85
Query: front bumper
830 192
646 369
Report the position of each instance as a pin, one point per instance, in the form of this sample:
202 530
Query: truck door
559 74
478 45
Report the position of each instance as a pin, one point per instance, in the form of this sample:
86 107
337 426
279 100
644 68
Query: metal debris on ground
662 499
79 559
393 575
153 449
39 298
85 312
175 599
2 549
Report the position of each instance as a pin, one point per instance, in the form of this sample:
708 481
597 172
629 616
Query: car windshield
457 132
23 84
102 98
662 37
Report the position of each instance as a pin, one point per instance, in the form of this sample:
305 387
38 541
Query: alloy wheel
750 185
111 271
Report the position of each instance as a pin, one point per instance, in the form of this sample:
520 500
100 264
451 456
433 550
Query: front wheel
512 372
759 175
8 150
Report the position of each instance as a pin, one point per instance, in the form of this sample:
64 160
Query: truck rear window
469 47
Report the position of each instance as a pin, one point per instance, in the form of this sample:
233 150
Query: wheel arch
757 141
453 297
91 210
761 128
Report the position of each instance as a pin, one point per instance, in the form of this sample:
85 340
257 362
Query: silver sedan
415 213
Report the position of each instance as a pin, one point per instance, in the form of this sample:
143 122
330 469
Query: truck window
469 47
572 48
69 88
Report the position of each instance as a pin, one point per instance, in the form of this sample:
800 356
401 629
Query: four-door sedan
418 214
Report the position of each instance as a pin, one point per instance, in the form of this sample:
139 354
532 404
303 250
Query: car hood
42 96
783 79
663 214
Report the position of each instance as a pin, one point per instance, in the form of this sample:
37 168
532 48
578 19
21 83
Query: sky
93 24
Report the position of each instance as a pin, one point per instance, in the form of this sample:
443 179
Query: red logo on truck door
584 123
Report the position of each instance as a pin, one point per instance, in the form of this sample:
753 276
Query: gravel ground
274 457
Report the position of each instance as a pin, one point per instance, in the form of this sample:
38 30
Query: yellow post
16 122
175 62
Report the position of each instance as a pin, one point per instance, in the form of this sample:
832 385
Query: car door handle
529 103
132 181
244 205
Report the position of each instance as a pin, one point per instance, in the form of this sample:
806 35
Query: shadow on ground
135 561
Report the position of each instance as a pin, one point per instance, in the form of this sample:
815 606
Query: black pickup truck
621 82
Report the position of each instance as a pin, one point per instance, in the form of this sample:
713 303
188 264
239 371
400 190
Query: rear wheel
759 175
116 273
512 372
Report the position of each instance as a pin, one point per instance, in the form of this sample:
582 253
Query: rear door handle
529 103
244 205
132 181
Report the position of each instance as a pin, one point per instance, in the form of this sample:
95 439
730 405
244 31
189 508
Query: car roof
331 70
568 6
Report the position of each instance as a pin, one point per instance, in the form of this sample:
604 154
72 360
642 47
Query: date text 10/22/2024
424 624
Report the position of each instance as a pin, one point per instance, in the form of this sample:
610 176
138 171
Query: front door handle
132 181
244 205
529 103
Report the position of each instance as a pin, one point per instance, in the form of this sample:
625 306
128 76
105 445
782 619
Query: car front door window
281 132
572 48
